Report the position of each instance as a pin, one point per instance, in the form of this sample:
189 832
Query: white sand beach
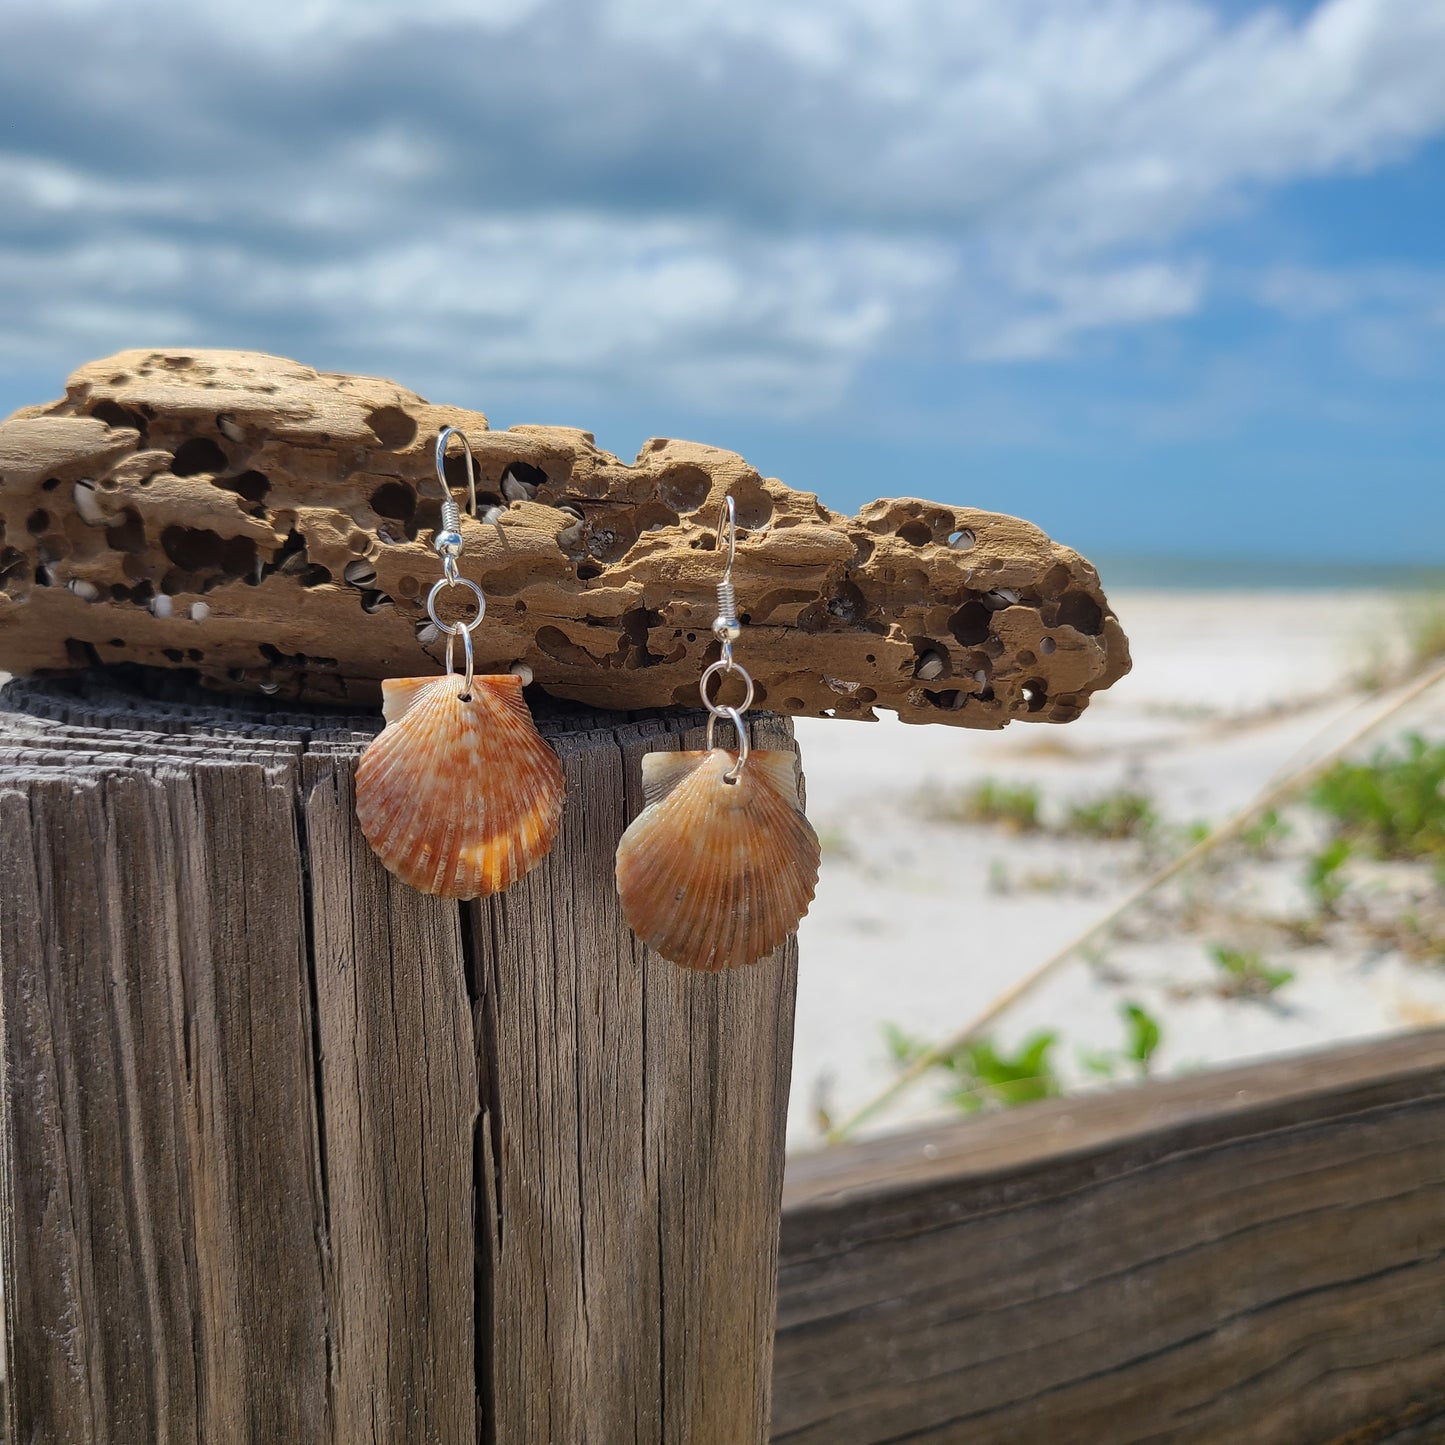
923 921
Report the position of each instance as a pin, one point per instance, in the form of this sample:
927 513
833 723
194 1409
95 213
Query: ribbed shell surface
458 798
714 874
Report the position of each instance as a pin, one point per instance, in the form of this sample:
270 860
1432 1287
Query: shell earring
458 795
721 864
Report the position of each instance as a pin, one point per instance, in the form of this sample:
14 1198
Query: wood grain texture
259 523
149 975
295 1154
636 1146
1253 1255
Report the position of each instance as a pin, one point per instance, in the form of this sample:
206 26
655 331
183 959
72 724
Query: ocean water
1246 573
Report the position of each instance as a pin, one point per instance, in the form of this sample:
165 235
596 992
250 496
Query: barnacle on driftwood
268 526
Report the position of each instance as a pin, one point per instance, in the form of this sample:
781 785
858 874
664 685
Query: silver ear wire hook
728 516
727 629
448 546
448 543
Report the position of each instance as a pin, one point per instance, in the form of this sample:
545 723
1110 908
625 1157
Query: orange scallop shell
714 874
459 799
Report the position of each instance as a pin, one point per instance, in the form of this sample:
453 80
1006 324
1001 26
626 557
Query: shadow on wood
296 1154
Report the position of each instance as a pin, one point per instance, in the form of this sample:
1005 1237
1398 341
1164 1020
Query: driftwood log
294 1154
267 526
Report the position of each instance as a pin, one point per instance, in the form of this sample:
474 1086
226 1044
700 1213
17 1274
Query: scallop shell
459 799
715 874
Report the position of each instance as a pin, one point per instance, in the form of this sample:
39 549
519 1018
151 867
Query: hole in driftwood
392 427
1079 611
192 548
560 648
754 506
528 476
949 700
848 605
609 540
128 534
197 456
13 564
395 501
252 486
653 516
684 488
929 664
114 415
970 624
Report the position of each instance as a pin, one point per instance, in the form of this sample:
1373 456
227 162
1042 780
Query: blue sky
1164 277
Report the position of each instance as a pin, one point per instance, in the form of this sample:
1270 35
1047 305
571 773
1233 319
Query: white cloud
1388 321
723 201
1077 302
717 320
1305 292
36 187
281 25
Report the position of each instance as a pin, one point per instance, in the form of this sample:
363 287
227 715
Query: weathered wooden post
302 1154
292 1152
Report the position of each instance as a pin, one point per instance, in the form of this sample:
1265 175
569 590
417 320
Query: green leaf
1248 973
1321 871
903 1047
1034 1058
1144 1034
1392 806
1100 1062
1265 832
1123 814
1015 808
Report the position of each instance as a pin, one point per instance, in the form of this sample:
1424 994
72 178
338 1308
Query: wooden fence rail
1245 1257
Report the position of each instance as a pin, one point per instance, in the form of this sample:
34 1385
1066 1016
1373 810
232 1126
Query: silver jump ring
723 667
466 633
744 747
453 627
